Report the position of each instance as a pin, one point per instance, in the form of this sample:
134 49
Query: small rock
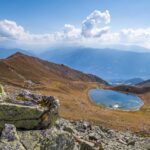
69 129
93 137
87 146
131 142
9 132
146 145
86 125
9 139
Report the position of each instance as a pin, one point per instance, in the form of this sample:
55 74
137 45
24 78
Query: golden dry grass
76 105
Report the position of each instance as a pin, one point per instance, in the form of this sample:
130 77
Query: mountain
110 64
133 81
5 52
20 68
144 83
113 65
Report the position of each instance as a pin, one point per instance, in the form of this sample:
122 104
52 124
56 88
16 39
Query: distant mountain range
133 81
144 83
110 64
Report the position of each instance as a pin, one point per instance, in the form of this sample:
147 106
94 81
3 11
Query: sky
40 24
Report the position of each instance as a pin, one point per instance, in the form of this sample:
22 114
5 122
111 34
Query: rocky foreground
31 122
74 135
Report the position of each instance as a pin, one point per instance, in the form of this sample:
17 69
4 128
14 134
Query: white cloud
94 32
92 25
9 29
140 37
15 35
71 32
135 35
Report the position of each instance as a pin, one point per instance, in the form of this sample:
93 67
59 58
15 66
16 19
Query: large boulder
29 111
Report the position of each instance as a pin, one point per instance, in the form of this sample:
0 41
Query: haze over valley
113 65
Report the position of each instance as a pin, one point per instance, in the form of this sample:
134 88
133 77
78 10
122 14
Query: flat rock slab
17 112
26 117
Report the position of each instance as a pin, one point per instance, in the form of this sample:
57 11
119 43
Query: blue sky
41 17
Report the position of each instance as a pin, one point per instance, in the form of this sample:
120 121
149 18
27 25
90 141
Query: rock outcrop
29 111
9 139
49 139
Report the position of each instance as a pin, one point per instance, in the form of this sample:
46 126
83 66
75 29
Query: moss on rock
17 112
21 98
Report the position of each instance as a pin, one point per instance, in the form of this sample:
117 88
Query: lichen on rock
2 93
9 139
49 139
29 114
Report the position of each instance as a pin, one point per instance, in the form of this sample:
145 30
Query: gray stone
41 115
69 129
93 136
9 133
50 139
9 139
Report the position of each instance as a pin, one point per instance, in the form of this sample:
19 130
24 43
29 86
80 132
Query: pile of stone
91 137
70 135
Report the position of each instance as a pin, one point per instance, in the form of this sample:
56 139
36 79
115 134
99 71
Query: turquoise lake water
115 100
